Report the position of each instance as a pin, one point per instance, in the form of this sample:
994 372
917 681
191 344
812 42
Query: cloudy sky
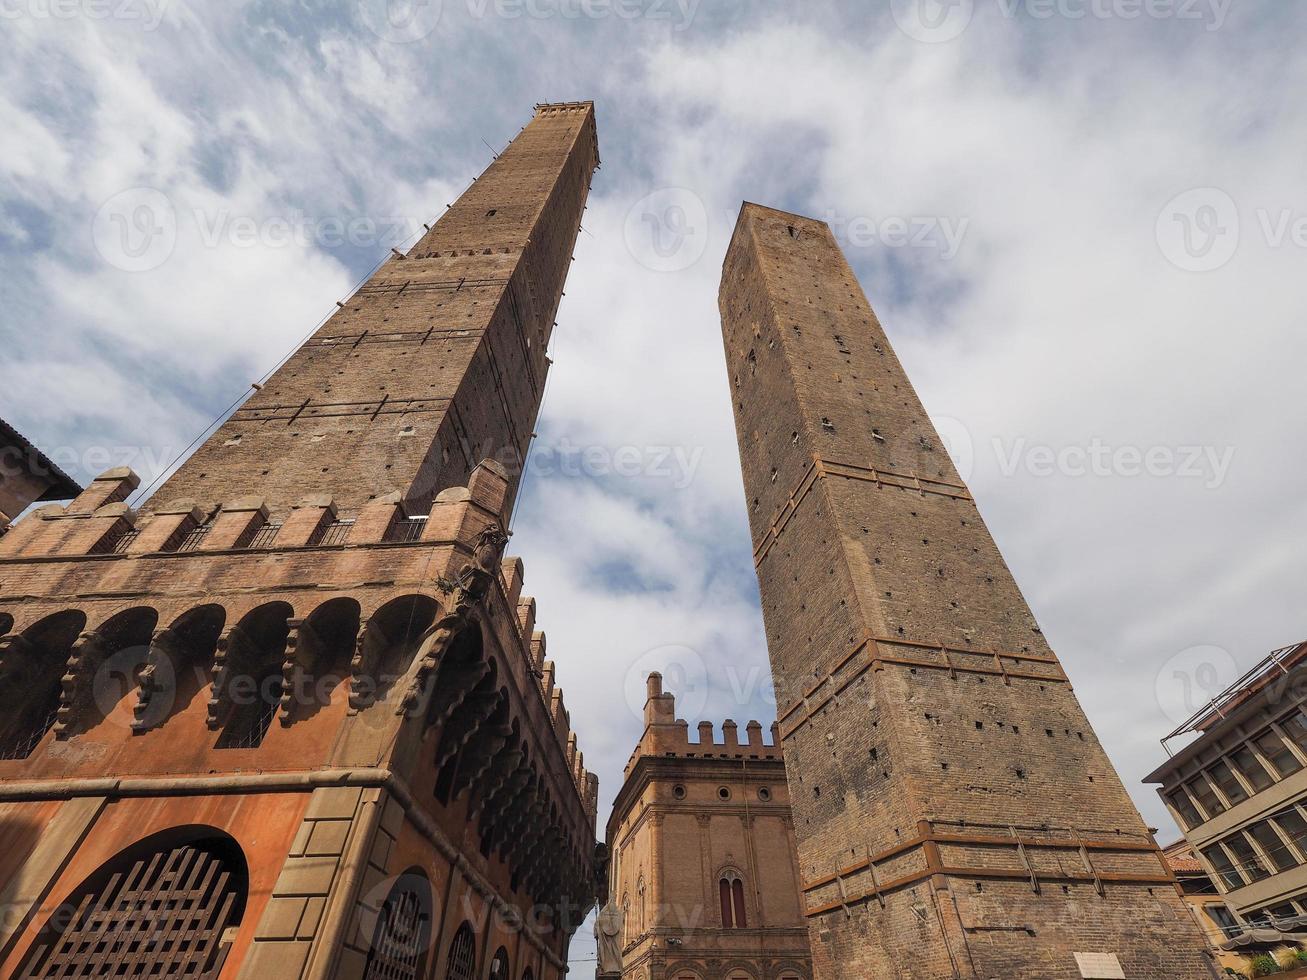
1082 222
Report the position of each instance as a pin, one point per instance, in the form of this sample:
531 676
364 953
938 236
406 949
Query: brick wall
956 815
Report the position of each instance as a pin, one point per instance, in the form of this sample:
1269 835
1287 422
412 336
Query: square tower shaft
956 815
436 363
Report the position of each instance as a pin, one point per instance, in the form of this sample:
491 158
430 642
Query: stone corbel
160 663
372 642
431 648
232 646
303 650
85 658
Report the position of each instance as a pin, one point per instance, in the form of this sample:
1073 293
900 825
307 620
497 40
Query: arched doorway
403 932
161 908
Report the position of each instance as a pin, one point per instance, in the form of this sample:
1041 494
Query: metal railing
192 538
337 532
406 529
265 536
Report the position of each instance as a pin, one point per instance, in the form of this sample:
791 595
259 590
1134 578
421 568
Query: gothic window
462 955
403 931
157 910
730 889
499 965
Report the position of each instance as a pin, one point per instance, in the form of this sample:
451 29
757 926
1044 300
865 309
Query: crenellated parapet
667 736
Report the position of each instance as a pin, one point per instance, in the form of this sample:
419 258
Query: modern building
703 863
28 476
290 717
1236 783
956 815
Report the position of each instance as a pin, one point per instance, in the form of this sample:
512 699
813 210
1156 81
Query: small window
679 792
1293 826
1225 919
1223 866
491 213
1184 806
724 793
1224 777
1247 859
462 955
1279 755
764 794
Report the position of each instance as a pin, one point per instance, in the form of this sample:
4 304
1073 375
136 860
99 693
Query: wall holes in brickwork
723 793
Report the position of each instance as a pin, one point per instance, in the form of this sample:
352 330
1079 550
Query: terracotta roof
62 486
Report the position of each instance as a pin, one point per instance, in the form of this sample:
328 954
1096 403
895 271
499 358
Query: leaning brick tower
956 815
291 717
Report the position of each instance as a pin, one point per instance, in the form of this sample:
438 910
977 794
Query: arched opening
730 888
474 709
462 667
390 639
499 965
32 665
527 974
248 680
6 624
177 666
462 961
161 908
403 931
102 669
324 647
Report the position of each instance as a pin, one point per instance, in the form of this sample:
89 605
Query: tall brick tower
956 816
292 719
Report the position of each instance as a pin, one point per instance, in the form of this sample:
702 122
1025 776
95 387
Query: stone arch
32 665
247 676
111 920
177 666
401 938
6 623
498 790
101 669
789 970
319 652
731 896
387 645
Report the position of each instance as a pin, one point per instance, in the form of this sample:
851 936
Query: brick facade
306 655
956 815
690 816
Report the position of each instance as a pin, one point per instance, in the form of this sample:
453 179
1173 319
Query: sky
1082 223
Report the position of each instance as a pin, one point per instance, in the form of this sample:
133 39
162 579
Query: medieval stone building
955 814
702 855
290 717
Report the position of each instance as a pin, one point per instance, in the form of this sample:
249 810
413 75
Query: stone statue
609 925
